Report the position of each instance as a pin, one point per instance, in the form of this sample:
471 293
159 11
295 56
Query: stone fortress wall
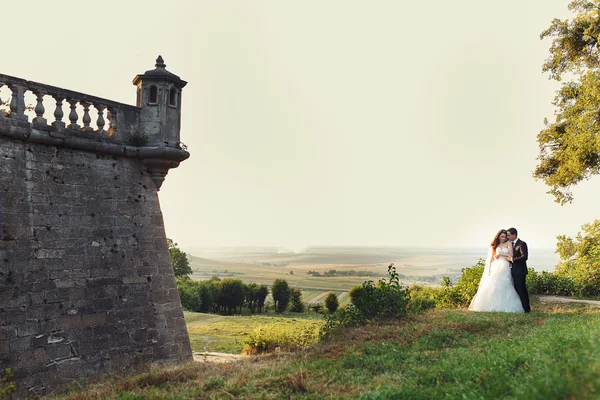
86 282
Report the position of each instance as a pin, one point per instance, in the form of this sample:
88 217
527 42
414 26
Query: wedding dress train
496 291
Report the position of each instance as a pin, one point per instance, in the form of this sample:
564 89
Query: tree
580 259
570 146
331 302
231 294
181 264
296 303
261 294
189 294
281 294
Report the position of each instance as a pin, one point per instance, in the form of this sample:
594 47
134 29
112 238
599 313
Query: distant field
264 265
314 288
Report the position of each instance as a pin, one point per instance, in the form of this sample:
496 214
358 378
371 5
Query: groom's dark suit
519 272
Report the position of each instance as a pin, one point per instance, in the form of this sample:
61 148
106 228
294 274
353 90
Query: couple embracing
502 286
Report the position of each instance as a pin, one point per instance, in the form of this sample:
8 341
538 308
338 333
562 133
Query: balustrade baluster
111 115
86 117
73 117
39 121
100 121
58 114
17 103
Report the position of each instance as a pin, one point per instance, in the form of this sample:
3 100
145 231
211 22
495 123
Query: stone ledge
101 145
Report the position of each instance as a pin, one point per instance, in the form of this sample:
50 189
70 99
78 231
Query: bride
496 291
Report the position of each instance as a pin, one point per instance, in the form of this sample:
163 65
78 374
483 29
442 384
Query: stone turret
159 97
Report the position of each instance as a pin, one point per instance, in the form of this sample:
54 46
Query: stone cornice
85 141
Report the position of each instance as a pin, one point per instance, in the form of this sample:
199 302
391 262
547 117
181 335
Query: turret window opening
153 95
173 97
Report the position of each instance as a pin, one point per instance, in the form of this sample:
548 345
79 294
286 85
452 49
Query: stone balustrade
148 131
118 126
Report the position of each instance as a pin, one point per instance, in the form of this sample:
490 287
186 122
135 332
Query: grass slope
552 353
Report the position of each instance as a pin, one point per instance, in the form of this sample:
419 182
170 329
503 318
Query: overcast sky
328 122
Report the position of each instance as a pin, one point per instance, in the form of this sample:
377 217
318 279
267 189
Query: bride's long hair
496 241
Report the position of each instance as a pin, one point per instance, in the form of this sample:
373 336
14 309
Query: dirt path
564 299
216 357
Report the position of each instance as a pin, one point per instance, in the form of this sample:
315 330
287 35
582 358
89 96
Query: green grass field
551 353
226 334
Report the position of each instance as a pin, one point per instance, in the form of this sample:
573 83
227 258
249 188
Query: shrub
271 337
461 294
549 283
343 317
331 302
370 302
316 307
422 298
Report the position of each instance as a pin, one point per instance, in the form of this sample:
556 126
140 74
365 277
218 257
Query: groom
519 267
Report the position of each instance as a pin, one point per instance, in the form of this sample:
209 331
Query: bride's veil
488 262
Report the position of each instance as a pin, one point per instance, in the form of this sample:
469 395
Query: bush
580 260
461 294
549 283
370 302
343 317
331 302
272 337
422 298
316 307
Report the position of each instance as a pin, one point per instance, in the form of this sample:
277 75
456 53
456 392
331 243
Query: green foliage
280 291
197 296
189 294
255 296
549 283
230 295
387 299
570 146
461 294
580 259
261 294
421 298
316 307
181 264
296 303
7 386
344 317
331 302
284 338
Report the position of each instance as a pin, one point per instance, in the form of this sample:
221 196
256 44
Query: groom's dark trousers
519 272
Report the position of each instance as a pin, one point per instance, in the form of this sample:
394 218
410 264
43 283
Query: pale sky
374 123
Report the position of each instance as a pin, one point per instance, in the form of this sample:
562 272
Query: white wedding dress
496 291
